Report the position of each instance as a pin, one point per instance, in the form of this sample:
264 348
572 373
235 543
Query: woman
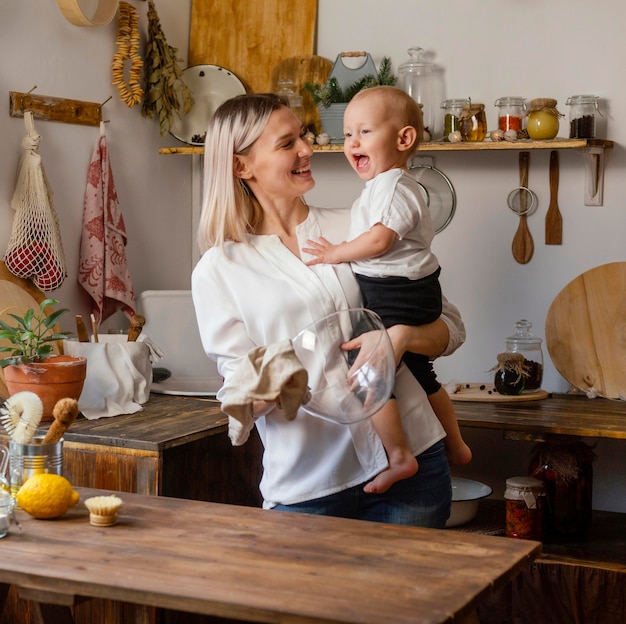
252 288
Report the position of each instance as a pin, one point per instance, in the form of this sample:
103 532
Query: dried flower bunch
166 93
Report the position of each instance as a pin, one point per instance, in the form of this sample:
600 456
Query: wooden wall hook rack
55 109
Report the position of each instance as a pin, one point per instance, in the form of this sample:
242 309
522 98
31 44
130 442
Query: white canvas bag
119 374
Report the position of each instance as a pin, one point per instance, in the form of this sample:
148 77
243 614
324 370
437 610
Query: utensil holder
26 460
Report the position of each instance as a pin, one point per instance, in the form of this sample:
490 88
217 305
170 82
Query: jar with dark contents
582 116
510 374
525 499
510 113
530 347
565 466
451 112
473 122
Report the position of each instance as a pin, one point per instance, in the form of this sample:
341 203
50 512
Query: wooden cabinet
595 561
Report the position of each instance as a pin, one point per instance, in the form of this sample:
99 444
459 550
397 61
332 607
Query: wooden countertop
565 414
166 421
259 565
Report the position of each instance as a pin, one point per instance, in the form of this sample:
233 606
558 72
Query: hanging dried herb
166 94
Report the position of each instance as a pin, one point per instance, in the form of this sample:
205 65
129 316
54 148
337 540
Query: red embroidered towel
103 270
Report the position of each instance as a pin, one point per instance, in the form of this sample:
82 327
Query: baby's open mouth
361 161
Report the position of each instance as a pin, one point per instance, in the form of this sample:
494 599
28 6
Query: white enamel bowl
346 386
466 495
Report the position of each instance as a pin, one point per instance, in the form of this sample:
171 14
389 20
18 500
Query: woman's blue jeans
421 500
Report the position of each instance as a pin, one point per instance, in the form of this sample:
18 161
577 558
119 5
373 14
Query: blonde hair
229 209
404 109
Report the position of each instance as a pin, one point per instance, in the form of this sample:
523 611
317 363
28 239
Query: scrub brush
64 413
103 510
20 416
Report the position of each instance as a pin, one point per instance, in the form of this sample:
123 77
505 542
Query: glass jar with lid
565 466
473 122
286 90
524 343
423 81
511 113
451 113
542 119
525 497
582 116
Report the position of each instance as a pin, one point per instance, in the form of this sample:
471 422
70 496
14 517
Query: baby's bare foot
403 469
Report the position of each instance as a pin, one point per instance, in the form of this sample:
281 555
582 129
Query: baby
389 249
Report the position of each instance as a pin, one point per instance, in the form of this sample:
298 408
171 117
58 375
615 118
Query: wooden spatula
523 246
554 221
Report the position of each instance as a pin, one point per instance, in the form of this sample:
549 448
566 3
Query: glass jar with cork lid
543 119
473 122
529 346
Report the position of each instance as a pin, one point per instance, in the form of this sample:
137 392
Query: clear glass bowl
347 385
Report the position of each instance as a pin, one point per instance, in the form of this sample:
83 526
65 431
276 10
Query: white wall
488 49
39 47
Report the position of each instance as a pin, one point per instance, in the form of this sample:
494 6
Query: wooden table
256 565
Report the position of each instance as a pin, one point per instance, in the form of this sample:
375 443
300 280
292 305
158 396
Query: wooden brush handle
136 325
65 412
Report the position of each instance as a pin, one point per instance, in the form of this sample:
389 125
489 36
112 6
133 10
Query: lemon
46 496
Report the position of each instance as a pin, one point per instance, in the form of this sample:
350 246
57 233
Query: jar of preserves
582 116
473 122
565 466
529 346
511 113
451 113
509 375
542 119
525 498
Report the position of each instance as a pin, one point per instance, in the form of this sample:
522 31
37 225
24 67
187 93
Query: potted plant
331 99
32 363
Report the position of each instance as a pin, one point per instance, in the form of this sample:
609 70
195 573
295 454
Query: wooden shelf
593 151
602 546
441 146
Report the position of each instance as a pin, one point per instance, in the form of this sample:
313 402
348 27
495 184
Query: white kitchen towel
103 268
271 373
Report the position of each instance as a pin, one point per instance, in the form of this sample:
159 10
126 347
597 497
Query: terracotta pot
57 377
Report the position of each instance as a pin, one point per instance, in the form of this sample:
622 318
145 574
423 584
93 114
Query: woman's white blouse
259 293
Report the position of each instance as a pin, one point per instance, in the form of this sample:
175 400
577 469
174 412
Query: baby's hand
323 250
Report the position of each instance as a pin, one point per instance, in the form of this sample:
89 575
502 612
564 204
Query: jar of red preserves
525 497
510 113
565 466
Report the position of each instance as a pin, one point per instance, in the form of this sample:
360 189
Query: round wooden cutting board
586 331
